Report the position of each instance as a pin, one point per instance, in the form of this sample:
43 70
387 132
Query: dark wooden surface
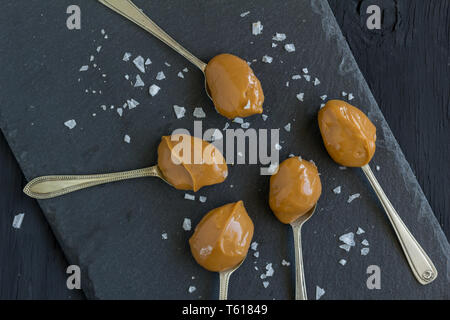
407 68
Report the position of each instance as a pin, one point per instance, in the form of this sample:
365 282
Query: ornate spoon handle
224 281
421 265
300 283
52 186
129 10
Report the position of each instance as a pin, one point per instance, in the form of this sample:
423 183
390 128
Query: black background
406 65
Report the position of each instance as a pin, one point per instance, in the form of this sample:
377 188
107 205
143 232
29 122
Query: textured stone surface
114 231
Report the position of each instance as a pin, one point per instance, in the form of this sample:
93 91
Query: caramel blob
234 88
190 163
349 136
294 189
222 238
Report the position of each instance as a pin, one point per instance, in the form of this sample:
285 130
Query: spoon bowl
300 284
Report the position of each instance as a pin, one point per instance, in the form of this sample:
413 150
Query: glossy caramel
233 87
294 189
222 238
349 136
183 171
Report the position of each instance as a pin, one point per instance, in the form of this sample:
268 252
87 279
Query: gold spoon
130 11
421 265
225 279
300 284
53 186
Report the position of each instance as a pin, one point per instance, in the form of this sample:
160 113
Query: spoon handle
129 10
52 186
300 283
224 281
421 265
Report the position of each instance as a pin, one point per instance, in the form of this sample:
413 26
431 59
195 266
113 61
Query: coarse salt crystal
264 117
267 59
257 28
84 68
300 96
353 197
153 90
127 138
287 127
350 96
243 14
148 61
91 58
132 104
360 231
265 284
164 236
365 242
202 199
181 75
348 238
285 263
343 262
296 77
238 120
185 70
364 251
188 196
316 81
254 245
199 113
307 77
99 48
139 82
119 111
187 224
70 124
279 37
269 270
192 289
344 93
126 56
378 168
346 247
305 70
245 125
323 97
17 221
227 125
103 107
179 111
337 190
290 47
160 76
256 254
287 83
277 146
139 63
274 45
319 292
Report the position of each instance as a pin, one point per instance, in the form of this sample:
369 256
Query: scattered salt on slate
272 168
181 75
296 77
199 113
256 254
243 14
99 48
365 242
187 224
179 111
287 127
348 238
307 77
346 247
127 138
277 146
267 59
285 263
119 111
139 82
316 81
153 90
378 168
185 70
300 96
350 96
319 292
188 196
132 104
139 63
364 251
84 68
360 231
254 245
202 199
164 236
343 262
160 76
305 70
265 284
148 62
257 28
126 56
192 289
274 45
290 47
264 117
353 197
70 124
18 219
279 37
245 125
238 120
337 190
323 97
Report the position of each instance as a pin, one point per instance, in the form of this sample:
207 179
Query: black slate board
114 231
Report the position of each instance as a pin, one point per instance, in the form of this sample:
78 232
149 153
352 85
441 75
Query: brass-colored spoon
300 283
130 11
421 265
53 186
225 279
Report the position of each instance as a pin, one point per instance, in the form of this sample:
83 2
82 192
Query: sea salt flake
185 70
300 96
348 238
70 124
91 58
254 245
343 262
264 117
119 111
269 270
257 28
296 77
265 284
139 82
181 75
148 62
192 289
279 37
102 31
245 125
187 224
305 70
179 111
99 48
103 107
285 263
127 138
316 81
319 292
287 127
256 254
126 56
364 251
360 231
322 105
243 14
164 236
84 68
153 90
337 190
132 104
344 93
353 197
307 77
287 83
323 97
378 168
199 113
365 242
274 45
342 168
127 77
350 96
227 125
346 247
160 76
17 221
139 63
238 120
290 47
267 59
188 196
202 199
277 146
